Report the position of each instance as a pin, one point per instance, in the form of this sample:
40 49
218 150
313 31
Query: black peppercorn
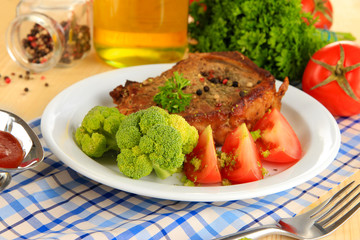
242 93
205 74
206 88
198 92
214 80
235 84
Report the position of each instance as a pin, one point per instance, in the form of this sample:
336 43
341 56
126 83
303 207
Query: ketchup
11 152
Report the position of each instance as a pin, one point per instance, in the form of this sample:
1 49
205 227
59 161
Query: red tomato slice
204 157
245 165
278 138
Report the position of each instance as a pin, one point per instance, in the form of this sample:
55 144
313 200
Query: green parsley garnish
171 96
265 154
256 134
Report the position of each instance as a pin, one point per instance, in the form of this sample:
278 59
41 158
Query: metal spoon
33 150
5 179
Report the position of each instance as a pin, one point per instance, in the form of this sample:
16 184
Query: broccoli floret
96 134
189 134
128 137
134 164
151 117
159 136
164 152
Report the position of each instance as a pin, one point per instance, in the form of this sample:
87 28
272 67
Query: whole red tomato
321 9
334 80
201 3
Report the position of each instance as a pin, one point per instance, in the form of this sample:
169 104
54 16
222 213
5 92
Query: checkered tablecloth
54 202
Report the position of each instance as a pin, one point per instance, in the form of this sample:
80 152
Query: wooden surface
43 87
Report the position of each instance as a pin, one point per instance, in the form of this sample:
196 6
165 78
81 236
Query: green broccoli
189 134
163 145
152 139
153 116
133 163
96 134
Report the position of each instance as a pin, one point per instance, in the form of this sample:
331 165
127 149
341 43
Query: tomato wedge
201 165
243 163
278 140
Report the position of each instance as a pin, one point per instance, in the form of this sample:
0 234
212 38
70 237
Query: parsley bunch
271 33
171 96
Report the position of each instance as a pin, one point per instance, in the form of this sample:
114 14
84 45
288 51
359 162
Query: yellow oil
135 32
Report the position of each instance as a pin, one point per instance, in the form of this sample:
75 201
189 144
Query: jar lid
35 41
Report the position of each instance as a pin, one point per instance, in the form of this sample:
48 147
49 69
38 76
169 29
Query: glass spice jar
48 33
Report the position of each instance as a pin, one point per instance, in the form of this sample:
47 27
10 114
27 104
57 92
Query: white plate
316 128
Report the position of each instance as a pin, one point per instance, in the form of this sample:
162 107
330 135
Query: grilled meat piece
233 90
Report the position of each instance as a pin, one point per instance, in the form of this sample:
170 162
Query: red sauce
11 152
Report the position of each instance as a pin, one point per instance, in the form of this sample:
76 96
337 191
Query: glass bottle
134 32
48 33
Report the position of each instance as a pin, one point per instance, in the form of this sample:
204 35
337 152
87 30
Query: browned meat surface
239 91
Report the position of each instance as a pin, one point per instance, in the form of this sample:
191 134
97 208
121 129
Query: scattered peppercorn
206 88
26 89
235 84
20 76
242 93
46 84
7 79
205 74
199 92
214 80
258 82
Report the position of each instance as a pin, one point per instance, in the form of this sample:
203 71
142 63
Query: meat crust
239 91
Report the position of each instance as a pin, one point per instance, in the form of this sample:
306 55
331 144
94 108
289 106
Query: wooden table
42 87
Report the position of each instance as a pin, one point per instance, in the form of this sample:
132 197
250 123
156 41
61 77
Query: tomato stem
338 73
320 7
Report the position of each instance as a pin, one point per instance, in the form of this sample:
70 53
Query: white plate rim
322 140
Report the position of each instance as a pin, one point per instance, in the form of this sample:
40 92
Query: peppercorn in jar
48 33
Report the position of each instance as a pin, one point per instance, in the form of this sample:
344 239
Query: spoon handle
5 179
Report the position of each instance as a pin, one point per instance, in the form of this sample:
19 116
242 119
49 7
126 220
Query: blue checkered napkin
54 202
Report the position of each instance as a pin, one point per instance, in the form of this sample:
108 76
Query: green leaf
171 96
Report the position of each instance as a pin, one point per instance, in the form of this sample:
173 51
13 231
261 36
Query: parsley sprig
171 96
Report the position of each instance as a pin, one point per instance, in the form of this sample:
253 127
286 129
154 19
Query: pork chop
227 89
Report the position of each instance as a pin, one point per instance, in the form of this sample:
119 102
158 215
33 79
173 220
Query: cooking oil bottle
136 32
